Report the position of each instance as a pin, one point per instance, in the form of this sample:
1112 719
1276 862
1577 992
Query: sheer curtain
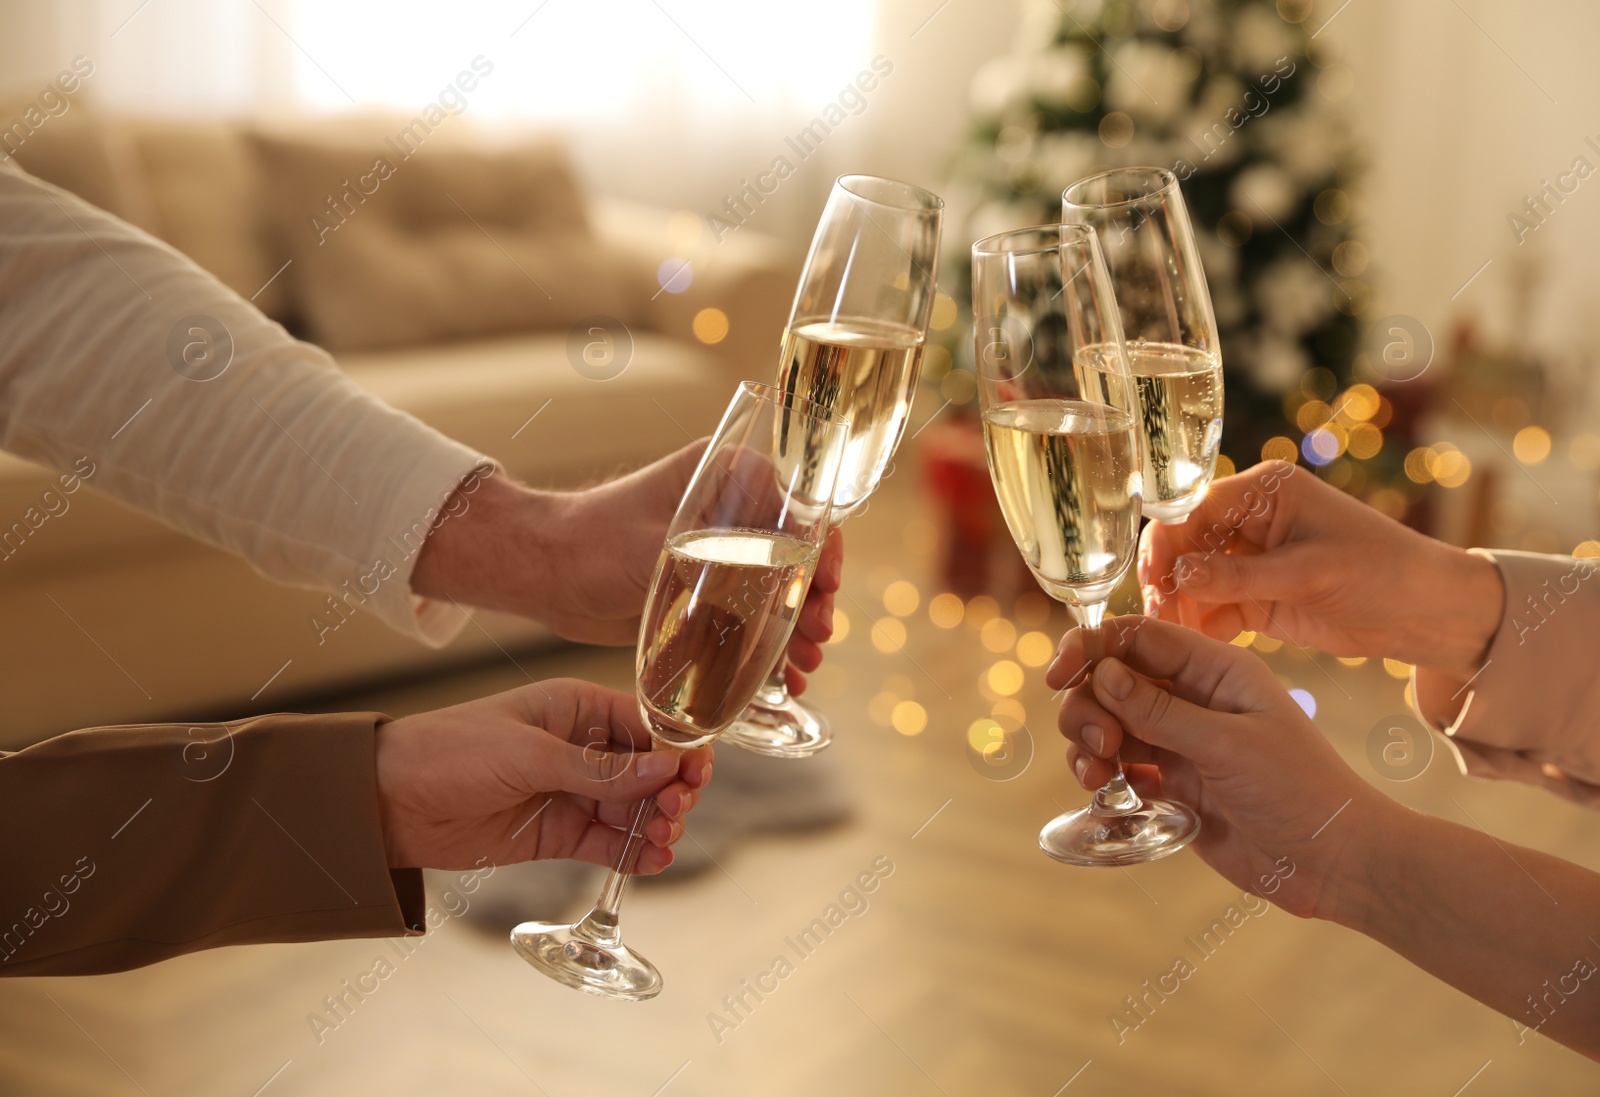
674 101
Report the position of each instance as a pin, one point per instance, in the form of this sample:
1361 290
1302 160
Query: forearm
499 547
129 845
1516 929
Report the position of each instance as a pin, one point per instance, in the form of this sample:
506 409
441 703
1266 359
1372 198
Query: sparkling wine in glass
1060 424
732 576
853 345
1168 324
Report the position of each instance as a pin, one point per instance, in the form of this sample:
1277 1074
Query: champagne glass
1059 424
733 573
854 345
1167 321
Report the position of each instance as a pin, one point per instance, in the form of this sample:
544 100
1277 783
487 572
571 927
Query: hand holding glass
733 574
1059 423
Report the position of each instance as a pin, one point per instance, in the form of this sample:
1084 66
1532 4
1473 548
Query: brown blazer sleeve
1532 713
127 845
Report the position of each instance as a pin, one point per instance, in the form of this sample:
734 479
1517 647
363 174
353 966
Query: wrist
1465 606
493 548
1364 875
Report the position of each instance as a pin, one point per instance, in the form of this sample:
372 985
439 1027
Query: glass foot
1155 829
576 959
784 730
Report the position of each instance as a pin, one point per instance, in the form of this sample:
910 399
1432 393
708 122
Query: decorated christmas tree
1237 98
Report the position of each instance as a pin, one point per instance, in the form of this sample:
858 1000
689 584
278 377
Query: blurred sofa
472 283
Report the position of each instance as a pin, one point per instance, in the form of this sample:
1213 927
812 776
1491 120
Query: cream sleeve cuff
1532 712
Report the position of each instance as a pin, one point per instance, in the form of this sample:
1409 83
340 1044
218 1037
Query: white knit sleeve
194 407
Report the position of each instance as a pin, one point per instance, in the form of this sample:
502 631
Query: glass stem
774 692
602 924
1116 796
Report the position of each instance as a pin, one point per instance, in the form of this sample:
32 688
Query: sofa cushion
380 285
521 401
79 152
205 201
395 246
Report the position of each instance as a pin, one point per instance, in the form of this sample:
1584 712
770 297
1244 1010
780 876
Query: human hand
551 770
1280 810
620 527
1276 550
581 562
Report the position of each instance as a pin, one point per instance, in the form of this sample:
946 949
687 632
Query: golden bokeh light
944 312
998 635
710 326
901 598
1244 639
1451 467
1419 465
1360 403
1365 441
1588 550
1035 649
1312 414
946 609
1266 644
1005 678
909 718
888 635
958 386
1397 669
1531 445
1352 660
1280 449
841 626
980 610
985 735
1225 466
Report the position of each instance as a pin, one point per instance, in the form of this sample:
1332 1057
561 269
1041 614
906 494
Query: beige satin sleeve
1532 713
128 845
